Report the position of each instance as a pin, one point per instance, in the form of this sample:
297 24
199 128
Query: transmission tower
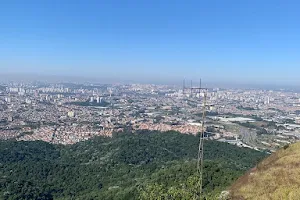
198 91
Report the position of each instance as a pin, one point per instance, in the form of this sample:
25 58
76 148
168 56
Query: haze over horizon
235 42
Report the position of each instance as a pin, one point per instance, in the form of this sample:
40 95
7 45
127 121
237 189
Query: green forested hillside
143 165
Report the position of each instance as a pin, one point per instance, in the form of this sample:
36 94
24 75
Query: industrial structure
197 92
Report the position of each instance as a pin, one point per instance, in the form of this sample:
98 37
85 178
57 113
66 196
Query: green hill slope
127 166
276 177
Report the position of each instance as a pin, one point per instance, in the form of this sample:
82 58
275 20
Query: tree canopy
126 166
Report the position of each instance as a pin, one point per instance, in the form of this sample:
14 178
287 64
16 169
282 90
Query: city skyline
68 113
249 42
177 82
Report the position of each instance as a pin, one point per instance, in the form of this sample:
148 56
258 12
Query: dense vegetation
139 165
245 108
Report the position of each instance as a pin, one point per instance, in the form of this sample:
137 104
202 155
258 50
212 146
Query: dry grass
277 177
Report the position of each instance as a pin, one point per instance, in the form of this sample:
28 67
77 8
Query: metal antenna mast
199 90
201 142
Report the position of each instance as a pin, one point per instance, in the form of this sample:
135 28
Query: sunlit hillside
276 177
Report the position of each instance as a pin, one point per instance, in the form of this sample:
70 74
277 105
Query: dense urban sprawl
68 113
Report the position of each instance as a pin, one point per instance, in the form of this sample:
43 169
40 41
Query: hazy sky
255 40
